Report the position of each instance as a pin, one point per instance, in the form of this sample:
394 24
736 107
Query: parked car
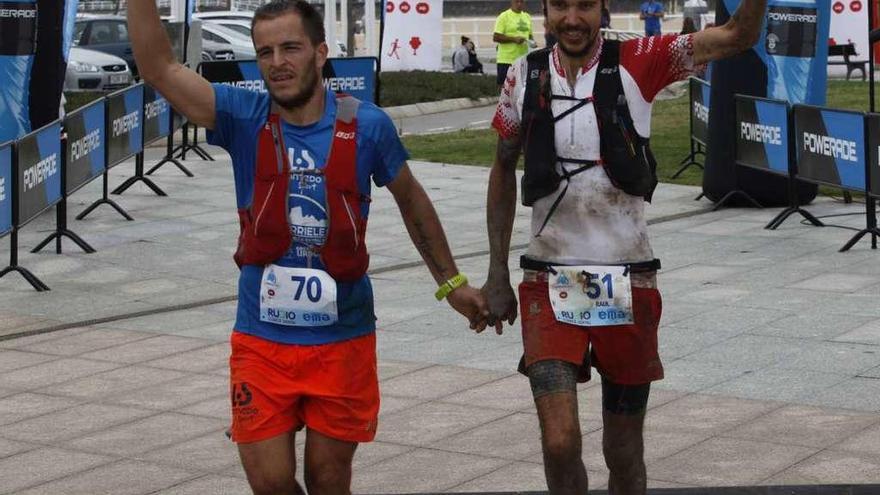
240 22
105 33
241 46
91 70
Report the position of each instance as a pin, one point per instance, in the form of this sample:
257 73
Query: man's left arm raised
738 34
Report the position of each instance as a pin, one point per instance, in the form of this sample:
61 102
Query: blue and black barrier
83 160
125 137
832 151
764 141
157 125
155 114
356 76
699 93
36 169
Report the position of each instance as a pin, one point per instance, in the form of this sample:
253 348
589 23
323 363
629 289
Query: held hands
471 303
501 300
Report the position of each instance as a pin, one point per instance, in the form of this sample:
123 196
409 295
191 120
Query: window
78 29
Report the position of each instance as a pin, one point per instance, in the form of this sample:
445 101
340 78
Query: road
471 118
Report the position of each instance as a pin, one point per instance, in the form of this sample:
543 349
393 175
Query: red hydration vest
265 223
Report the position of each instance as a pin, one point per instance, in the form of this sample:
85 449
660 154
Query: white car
91 70
241 46
240 22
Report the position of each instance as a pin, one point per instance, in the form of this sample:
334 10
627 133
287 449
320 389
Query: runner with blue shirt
303 347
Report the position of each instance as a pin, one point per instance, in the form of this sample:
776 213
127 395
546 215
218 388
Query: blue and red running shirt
380 154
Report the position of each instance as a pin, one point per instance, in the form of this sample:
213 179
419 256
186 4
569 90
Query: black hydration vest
625 156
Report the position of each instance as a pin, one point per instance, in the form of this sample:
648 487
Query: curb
402 111
428 107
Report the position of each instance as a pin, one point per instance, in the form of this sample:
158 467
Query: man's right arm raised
188 92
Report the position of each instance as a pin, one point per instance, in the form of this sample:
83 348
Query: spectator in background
651 13
688 26
460 56
474 64
513 30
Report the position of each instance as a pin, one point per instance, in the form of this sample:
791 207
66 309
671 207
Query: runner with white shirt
580 112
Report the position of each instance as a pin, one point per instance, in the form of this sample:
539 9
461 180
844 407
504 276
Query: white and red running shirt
595 222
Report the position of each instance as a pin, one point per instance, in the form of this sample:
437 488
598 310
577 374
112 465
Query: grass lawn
669 135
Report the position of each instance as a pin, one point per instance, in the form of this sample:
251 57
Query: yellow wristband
450 285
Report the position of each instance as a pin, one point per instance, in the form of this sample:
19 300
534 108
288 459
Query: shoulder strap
608 86
341 169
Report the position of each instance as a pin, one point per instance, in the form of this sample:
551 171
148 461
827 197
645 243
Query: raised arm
739 33
188 92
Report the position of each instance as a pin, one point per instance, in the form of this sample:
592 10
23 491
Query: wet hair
311 18
688 26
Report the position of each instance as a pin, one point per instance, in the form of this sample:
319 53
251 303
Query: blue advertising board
85 152
125 124
355 75
5 188
830 146
157 116
38 172
762 139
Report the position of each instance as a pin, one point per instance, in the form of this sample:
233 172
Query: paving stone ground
770 341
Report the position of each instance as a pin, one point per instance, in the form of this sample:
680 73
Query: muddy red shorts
276 388
624 354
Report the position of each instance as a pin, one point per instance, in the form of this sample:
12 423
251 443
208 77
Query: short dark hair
311 18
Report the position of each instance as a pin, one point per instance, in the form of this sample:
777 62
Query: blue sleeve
388 154
233 109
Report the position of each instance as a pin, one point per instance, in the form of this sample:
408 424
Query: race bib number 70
591 296
297 297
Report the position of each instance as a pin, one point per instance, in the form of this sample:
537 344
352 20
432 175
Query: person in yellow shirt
513 33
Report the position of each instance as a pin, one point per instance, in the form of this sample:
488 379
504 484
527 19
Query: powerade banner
5 188
873 153
830 146
18 43
157 116
762 134
700 94
84 153
38 172
125 124
788 63
353 75
32 72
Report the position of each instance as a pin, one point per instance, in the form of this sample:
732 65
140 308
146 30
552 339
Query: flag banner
18 43
38 172
35 40
84 153
352 75
5 188
849 24
830 146
125 124
700 92
413 37
788 63
762 134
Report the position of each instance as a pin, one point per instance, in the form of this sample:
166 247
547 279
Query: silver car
240 45
90 70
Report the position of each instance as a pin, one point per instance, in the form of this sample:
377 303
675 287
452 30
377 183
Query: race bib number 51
297 297
591 296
